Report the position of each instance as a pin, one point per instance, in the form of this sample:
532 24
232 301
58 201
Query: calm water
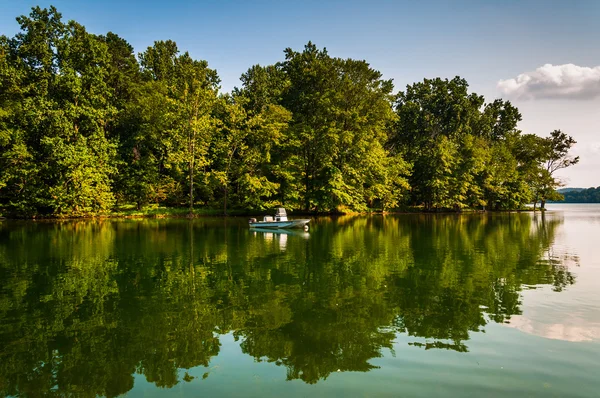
472 305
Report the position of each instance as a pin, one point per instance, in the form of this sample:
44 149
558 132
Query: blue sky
482 41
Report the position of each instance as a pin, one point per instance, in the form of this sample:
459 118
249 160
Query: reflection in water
86 305
278 235
570 327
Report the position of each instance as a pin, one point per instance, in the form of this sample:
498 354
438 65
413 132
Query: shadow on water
86 305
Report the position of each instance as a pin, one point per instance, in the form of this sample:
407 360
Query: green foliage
58 158
433 118
590 195
242 151
555 156
340 112
86 125
166 129
467 154
541 158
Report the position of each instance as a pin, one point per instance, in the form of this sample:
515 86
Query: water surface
408 305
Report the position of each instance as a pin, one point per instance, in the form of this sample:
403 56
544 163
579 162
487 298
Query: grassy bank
157 211
163 211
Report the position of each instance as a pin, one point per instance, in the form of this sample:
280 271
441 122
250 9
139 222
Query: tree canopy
589 195
86 126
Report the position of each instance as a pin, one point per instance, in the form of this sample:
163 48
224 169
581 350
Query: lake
399 305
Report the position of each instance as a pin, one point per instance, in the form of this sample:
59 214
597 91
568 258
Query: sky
543 56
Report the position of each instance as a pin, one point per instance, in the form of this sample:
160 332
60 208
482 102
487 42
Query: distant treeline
86 125
590 195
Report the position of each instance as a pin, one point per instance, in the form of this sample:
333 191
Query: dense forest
87 126
590 195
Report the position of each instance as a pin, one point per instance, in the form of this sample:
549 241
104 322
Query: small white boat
280 220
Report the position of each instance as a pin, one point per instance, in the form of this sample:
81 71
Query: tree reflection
86 305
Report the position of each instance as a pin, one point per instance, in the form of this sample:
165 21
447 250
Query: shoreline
205 213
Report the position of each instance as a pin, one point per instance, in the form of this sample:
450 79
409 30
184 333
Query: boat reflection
279 235
271 232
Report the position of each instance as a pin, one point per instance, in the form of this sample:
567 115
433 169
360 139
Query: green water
411 305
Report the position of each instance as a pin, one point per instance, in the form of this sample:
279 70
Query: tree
242 150
590 195
189 88
505 180
148 168
434 118
554 156
276 151
59 150
124 74
228 143
17 165
85 125
340 113
464 152
196 94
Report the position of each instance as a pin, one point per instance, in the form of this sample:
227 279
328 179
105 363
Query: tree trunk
225 203
543 204
307 165
227 179
192 150
534 205
191 187
306 191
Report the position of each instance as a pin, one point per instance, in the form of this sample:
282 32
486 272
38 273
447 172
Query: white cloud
554 81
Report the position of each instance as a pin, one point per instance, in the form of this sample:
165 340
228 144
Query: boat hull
279 224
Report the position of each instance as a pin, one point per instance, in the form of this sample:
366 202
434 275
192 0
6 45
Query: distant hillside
579 195
565 190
